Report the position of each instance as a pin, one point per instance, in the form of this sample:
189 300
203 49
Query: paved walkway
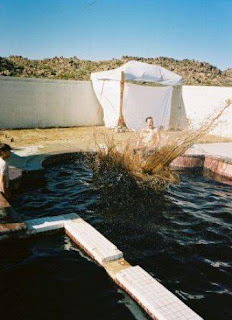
218 149
222 149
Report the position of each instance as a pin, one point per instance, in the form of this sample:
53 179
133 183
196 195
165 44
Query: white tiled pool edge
157 301
152 296
39 225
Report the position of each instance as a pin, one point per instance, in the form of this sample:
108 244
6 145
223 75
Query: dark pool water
48 279
183 238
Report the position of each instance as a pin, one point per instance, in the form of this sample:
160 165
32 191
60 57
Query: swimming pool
183 238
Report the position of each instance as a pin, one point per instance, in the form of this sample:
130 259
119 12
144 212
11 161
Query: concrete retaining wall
39 103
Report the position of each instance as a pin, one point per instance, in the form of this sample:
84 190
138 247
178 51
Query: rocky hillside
193 72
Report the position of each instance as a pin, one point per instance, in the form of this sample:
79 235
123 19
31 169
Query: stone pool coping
217 164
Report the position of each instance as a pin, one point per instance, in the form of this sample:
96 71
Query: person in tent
149 137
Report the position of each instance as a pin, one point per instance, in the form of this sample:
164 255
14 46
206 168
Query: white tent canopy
139 101
139 71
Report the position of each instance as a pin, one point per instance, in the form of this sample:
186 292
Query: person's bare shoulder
155 130
143 131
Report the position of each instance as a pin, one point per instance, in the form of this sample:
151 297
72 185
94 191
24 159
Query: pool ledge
220 166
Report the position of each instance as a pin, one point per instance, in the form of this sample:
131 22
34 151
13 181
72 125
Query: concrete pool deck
219 149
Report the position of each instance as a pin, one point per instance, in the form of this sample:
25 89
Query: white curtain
108 94
141 102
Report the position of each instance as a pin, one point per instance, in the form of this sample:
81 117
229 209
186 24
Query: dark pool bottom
183 237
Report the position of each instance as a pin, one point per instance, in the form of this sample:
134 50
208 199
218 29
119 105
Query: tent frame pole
121 122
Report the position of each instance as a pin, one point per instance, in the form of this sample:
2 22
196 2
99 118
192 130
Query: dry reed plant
148 169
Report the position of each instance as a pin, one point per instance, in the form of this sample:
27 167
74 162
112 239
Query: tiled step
92 242
152 296
49 223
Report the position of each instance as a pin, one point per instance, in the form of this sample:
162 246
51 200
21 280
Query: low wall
40 103
202 101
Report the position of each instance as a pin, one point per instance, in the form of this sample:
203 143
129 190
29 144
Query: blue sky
105 29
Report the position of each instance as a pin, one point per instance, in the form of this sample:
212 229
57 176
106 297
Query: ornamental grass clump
120 164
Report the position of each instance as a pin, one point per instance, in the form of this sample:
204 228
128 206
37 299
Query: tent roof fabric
139 71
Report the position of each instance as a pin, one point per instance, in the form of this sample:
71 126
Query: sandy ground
79 137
